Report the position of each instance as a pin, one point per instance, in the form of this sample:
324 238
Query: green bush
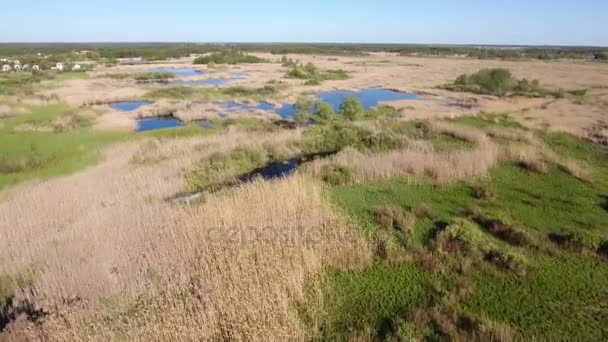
152 77
324 112
351 109
222 169
228 57
303 108
334 174
385 141
499 82
332 137
314 75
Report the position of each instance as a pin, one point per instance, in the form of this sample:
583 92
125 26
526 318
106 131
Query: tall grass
117 261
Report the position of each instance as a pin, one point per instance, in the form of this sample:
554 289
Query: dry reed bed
419 158
233 267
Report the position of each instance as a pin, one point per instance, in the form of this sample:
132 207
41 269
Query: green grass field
46 142
562 295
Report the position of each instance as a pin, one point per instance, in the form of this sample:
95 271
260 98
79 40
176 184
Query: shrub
577 241
221 169
482 193
507 261
422 211
385 141
228 57
332 137
391 217
324 112
152 77
496 81
313 74
334 174
351 109
312 82
382 111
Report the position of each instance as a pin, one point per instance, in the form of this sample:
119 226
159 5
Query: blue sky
539 22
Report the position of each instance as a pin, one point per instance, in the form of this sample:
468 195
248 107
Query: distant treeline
161 51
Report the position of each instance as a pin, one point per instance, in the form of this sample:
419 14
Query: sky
510 22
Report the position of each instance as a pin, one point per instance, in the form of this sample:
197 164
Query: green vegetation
215 94
26 83
161 51
224 169
313 75
515 255
353 304
500 82
47 142
497 82
228 57
154 77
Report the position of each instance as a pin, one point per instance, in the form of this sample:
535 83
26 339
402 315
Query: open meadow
303 193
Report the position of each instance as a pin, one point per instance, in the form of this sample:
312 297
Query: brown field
409 74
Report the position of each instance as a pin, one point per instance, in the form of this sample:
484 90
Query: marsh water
157 122
369 98
129 106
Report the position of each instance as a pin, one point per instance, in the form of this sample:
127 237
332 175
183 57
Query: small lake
274 171
369 97
177 72
157 122
244 107
129 106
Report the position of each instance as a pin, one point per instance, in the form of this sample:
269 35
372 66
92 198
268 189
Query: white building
58 66
76 67
6 68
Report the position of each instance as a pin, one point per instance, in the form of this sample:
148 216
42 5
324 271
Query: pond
129 106
158 122
274 171
177 72
369 97
232 106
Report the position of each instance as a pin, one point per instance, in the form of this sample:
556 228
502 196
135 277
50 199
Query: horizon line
309 43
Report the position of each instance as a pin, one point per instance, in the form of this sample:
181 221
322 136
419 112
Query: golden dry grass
115 261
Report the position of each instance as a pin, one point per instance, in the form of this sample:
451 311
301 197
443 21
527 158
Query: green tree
324 112
351 109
